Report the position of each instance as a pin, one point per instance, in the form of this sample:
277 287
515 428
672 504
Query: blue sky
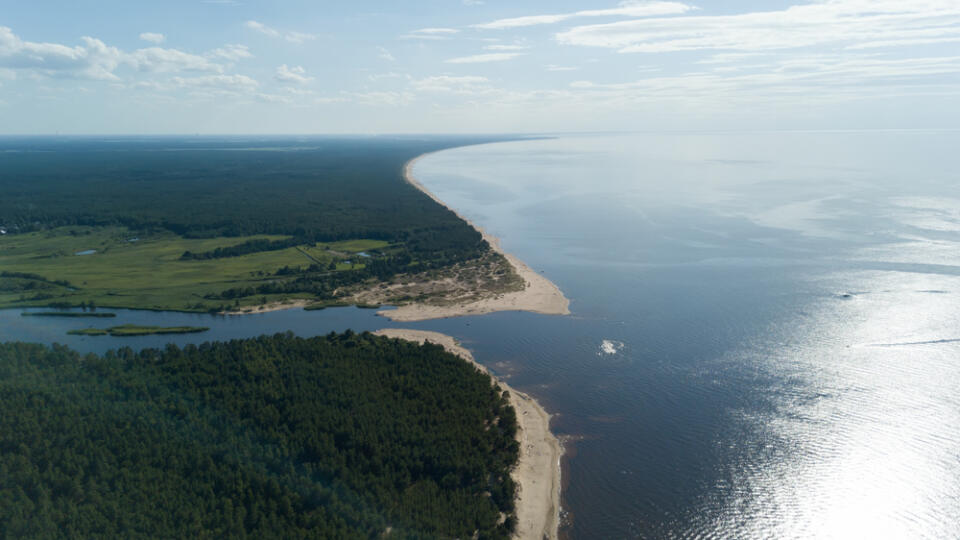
225 66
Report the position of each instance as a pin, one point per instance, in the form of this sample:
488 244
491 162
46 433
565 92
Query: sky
476 66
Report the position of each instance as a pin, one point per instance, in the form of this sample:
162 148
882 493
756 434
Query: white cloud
149 85
374 77
624 9
95 60
92 60
381 98
274 98
153 37
385 54
553 67
263 29
156 59
329 100
288 35
436 31
231 52
447 83
473 2
295 74
238 83
299 37
505 47
826 22
884 43
483 58
799 79
727 58
431 34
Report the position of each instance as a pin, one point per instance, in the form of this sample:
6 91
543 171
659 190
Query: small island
132 330
69 314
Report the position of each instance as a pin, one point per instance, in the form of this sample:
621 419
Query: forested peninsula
250 439
222 225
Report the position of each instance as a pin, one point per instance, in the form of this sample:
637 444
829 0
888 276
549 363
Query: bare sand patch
266 308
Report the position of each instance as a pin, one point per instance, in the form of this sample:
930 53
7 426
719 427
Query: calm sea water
765 339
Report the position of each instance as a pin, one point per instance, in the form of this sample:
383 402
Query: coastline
537 473
539 295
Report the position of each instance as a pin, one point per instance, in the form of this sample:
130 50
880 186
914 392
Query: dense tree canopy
313 189
340 436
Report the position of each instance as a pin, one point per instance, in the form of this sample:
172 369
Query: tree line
328 189
341 436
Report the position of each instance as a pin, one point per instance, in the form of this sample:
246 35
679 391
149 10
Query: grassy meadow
135 270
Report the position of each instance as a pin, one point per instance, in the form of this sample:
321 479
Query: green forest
341 436
315 190
203 224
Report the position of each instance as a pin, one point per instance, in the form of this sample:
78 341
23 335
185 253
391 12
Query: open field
114 267
147 273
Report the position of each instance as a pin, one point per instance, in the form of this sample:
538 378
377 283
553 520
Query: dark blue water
765 339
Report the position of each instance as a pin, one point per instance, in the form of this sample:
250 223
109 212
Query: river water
765 339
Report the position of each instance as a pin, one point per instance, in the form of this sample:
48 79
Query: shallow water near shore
765 339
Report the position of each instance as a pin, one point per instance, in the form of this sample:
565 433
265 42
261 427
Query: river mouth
764 332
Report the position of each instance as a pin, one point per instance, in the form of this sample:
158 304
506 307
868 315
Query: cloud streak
431 34
233 83
852 23
466 85
287 35
232 52
624 9
801 79
295 74
483 58
159 60
153 37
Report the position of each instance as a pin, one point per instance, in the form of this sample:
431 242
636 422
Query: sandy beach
266 308
538 472
539 294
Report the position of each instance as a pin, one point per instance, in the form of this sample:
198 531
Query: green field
148 273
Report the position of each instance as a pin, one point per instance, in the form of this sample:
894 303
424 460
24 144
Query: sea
765 330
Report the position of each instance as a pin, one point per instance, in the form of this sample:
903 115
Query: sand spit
266 308
539 294
538 472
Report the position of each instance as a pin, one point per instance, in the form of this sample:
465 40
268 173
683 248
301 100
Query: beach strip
537 473
539 294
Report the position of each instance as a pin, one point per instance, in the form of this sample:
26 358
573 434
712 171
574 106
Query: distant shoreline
539 295
537 473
